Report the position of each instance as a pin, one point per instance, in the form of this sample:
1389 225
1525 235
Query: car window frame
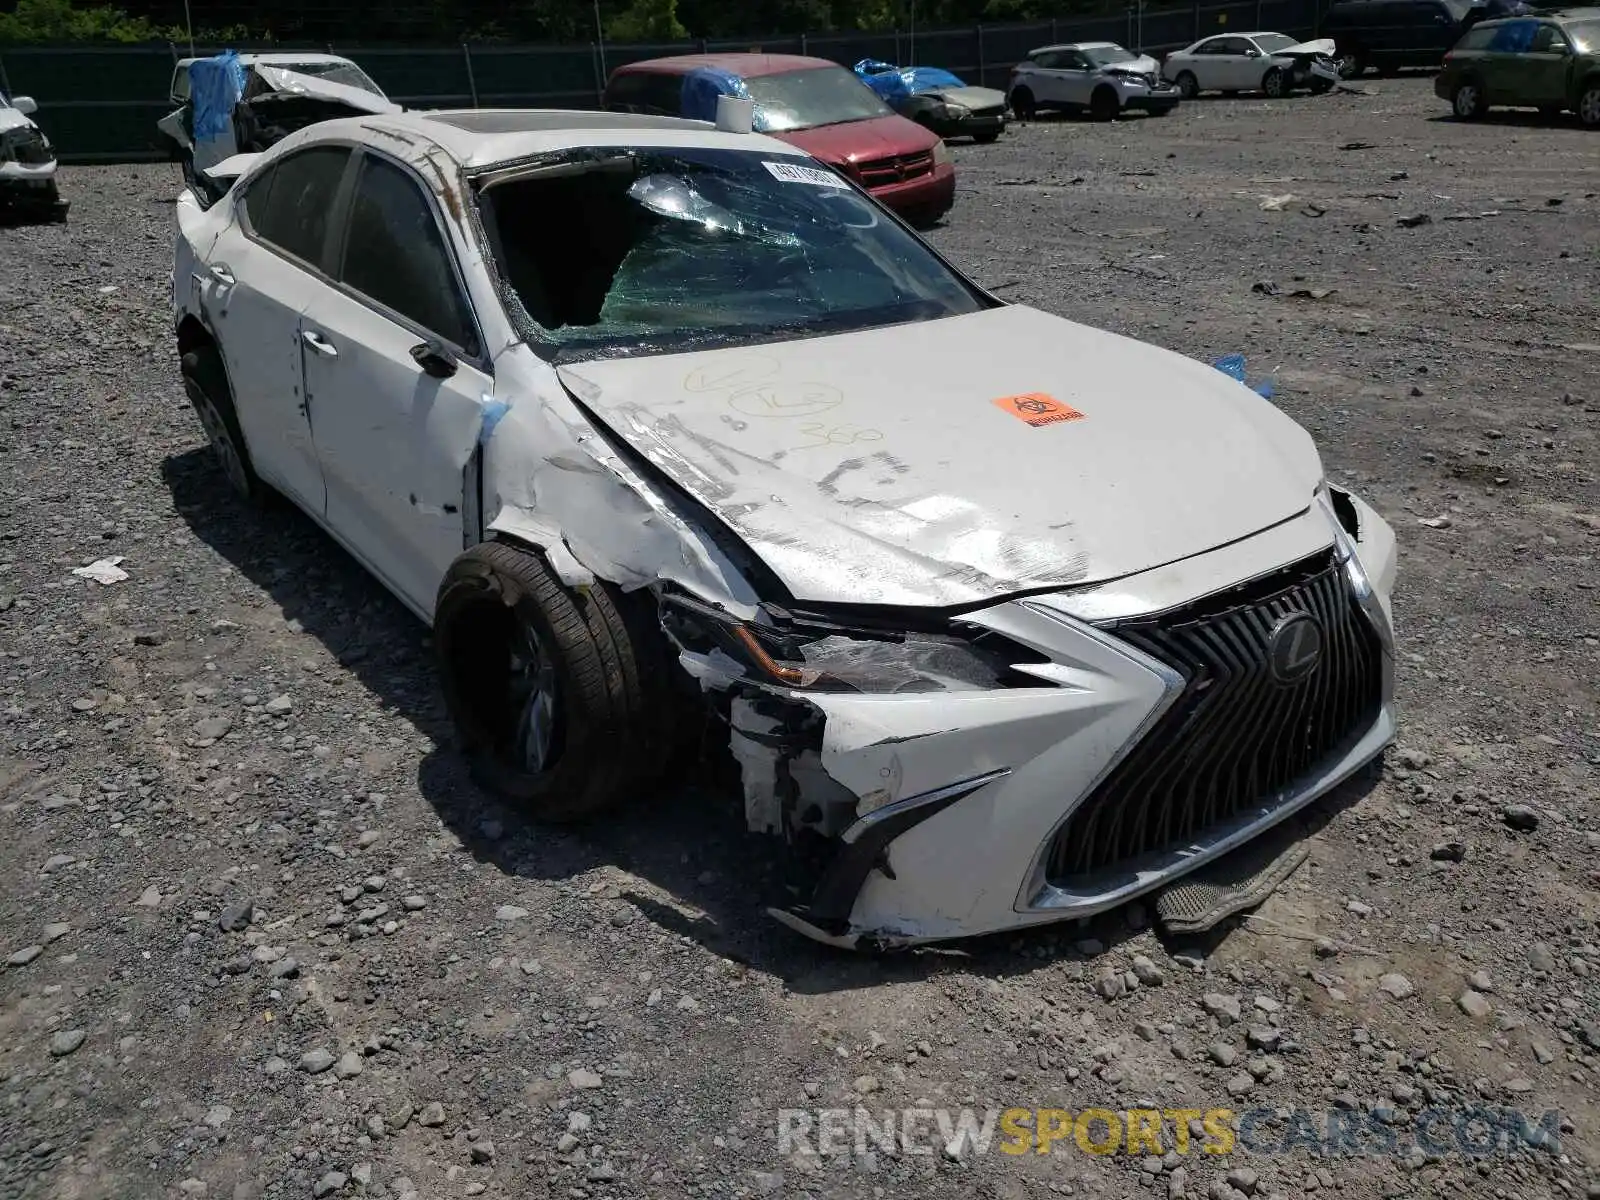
1558 32
339 237
338 206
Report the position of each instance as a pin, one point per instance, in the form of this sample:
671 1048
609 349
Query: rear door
259 275
397 376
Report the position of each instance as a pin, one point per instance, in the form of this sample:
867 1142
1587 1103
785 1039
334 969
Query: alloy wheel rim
1589 107
222 446
1274 86
1466 100
533 695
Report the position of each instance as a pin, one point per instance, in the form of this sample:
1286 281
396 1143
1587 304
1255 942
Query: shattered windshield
656 251
335 72
806 99
1102 56
1271 43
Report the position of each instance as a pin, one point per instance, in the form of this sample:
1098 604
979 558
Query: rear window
288 204
813 97
666 251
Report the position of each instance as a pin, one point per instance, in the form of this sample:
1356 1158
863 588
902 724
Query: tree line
220 21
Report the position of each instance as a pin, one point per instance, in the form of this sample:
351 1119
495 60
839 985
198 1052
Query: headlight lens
957 112
941 153
838 659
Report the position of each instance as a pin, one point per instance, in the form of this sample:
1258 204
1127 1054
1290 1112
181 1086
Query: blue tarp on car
892 82
702 86
215 85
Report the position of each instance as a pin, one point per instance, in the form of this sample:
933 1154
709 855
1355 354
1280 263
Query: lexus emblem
1294 647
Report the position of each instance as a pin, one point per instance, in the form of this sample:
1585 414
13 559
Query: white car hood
889 467
10 118
1143 65
1320 46
286 80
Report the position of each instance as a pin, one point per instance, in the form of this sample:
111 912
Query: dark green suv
1550 62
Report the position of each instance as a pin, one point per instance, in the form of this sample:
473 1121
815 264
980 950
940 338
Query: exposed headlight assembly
828 658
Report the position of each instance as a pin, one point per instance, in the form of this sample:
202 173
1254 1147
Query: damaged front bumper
1126 751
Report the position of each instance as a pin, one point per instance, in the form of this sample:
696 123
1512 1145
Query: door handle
223 274
319 343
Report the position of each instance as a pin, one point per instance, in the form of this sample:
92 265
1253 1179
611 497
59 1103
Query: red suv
821 108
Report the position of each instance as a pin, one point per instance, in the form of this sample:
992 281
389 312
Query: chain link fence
101 104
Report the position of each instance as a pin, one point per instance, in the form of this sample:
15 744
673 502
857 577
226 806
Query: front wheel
1023 104
1320 86
558 695
1104 105
1352 66
1188 85
987 137
1468 102
1589 105
1272 83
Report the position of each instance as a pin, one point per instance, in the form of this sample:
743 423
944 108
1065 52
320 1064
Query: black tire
1467 100
1588 105
205 381
1273 84
1353 65
987 137
609 712
1104 104
1022 103
1320 86
1188 84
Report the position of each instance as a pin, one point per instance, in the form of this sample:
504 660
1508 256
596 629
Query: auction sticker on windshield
1038 409
794 173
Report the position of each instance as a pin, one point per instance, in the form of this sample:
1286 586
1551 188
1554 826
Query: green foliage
36 21
647 21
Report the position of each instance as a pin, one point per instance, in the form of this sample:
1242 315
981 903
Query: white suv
667 429
1100 78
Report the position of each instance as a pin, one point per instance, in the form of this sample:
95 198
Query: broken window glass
669 250
395 254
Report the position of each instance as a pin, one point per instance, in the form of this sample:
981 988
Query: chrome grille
880 172
1235 736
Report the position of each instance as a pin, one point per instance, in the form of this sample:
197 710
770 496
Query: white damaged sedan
1003 619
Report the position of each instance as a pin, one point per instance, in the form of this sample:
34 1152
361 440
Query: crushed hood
10 118
1143 65
861 141
1320 46
972 97
286 81
940 463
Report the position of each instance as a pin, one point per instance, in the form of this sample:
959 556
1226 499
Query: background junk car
1100 78
1273 63
1550 62
27 163
810 103
937 99
615 477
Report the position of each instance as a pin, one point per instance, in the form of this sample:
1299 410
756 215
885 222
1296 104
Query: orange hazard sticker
1038 409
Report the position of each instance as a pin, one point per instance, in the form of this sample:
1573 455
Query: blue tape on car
493 411
1231 364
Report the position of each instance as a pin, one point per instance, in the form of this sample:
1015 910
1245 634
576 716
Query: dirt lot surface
266 940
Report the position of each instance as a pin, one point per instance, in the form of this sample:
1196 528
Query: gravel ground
265 939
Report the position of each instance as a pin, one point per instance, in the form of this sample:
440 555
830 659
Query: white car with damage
27 163
1004 619
1272 63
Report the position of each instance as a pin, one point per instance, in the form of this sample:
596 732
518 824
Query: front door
396 382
